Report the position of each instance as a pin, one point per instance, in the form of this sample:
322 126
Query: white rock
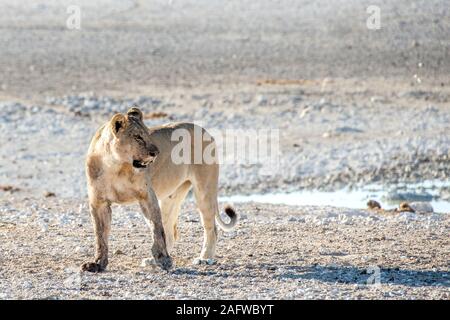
422 207
148 262
27 285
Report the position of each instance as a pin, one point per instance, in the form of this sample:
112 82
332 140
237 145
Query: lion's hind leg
170 209
205 191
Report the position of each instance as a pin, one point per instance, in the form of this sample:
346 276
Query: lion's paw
200 261
164 263
92 267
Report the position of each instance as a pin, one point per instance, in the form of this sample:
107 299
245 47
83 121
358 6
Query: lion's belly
166 180
166 176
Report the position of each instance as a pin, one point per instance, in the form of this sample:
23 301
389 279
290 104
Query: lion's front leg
152 213
101 218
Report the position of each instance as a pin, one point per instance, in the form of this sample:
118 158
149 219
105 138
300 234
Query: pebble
148 262
422 207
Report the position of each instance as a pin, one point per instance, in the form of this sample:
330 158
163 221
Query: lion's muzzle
143 163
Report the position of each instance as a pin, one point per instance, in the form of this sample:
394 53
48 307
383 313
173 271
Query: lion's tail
231 213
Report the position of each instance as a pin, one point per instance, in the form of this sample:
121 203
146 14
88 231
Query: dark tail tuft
231 213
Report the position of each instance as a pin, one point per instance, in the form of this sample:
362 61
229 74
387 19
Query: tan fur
113 179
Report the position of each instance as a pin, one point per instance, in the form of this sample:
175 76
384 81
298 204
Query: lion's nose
153 151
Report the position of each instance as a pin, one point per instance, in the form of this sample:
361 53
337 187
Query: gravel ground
278 252
353 106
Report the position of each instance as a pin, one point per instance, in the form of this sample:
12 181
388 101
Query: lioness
128 162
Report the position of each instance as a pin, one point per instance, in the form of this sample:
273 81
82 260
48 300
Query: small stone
148 262
372 204
198 261
421 207
378 99
261 100
49 194
304 112
27 285
405 207
9 188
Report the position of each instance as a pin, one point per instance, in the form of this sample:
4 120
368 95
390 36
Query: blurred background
126 45
358 89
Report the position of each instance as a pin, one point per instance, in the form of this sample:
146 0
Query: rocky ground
277 252
352 106
327 139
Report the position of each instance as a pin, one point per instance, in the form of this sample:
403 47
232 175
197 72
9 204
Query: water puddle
388 196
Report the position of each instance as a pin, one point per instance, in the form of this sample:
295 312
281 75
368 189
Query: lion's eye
139 139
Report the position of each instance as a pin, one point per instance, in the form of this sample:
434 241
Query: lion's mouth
140 164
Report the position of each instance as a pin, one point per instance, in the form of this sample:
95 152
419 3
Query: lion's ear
135 112
118 123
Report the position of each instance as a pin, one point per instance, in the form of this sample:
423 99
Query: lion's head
131 141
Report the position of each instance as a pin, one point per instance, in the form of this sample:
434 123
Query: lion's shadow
334 274
372 275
